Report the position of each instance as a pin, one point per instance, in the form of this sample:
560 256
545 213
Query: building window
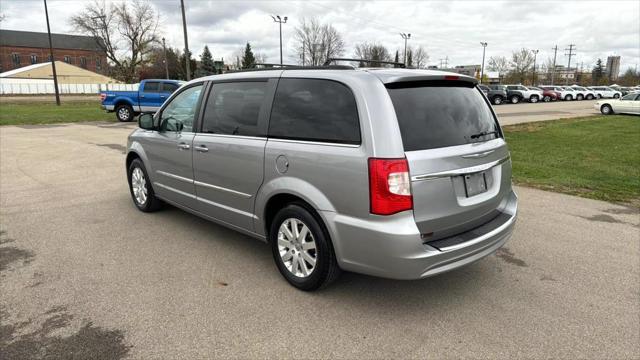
83 62
15 59
98 64
34 58
67 59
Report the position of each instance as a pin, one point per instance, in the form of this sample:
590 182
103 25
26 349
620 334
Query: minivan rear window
435 114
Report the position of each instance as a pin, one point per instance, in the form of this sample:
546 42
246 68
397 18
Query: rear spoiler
415 76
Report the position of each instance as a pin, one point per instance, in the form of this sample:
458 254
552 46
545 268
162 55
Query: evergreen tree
248 59
409 58
206 63
396 59
597 73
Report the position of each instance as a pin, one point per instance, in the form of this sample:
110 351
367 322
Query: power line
571 48
444 63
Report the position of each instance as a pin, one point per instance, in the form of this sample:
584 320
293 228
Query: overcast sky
450 29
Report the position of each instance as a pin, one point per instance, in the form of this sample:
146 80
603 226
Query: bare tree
521 62
372 51
316 42
499 64
125 31
419 57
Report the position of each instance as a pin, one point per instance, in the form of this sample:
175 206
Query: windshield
435 114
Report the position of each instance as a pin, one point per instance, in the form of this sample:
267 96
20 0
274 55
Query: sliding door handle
202 148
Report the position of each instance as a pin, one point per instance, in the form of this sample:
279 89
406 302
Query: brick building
22 48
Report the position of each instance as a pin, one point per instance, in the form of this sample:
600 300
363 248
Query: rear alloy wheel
589 97
124 113
568 98
599 96
301 249
497 100
615 96
515 99
606 109
533 99
546 98
579 97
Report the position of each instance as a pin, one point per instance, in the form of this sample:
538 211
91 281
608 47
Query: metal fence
8 87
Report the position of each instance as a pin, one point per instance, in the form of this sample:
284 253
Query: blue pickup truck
150 95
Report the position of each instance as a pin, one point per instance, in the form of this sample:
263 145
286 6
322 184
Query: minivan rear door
458 160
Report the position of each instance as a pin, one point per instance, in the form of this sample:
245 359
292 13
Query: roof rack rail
272 65
398 64
295 67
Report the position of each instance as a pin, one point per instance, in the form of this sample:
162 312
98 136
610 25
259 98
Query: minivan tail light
451 77
389 186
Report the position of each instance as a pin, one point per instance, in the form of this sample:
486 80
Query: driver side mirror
145 121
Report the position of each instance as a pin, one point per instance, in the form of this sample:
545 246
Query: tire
547 98
568 98
579 97
599 96
515 99
324 271
589 97
497 100
606 109
533 99
124 113
615 96
137 174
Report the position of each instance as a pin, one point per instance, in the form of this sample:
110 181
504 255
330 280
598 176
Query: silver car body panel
232 182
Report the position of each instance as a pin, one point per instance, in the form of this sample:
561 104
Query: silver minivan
394 173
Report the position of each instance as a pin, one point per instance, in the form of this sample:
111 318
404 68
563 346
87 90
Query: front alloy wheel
141 189
515 99
606 109
534 99
139 186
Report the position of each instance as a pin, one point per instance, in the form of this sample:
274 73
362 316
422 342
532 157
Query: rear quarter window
314 110
436 114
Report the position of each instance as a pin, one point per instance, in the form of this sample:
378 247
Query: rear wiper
484 133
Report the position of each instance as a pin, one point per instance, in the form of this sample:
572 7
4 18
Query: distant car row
514 94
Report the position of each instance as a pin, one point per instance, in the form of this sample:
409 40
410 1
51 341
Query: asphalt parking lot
83 272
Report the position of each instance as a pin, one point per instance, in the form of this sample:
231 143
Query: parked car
628 104
394 173
553 89
495 93
517 93
565 93
583 93
547 95
605 92
150 95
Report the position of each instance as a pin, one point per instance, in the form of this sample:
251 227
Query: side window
234 109
151 86
169 87
629 97
315 110
180 113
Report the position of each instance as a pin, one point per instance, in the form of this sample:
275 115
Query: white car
572 92
584 93
564 93
605 92
628 104
521 92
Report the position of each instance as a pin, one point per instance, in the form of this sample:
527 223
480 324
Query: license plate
475 183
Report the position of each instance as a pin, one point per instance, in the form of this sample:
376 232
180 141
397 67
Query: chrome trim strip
190 181
458 172
314 142
478 155
482 238
228 208
175 190
200 183
232 136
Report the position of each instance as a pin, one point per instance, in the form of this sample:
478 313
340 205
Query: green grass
596 157
31 113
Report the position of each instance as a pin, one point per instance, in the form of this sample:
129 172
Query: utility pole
484 47
444 63
187 54
571 48
535 55
280 22
553 71
166 61
405 37
53 60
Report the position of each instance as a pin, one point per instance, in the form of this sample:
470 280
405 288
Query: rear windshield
435 114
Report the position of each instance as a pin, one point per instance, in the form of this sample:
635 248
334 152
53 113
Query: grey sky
450 29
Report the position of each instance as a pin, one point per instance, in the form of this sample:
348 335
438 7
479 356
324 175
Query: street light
533 78
187 54
280 22
405 37
53 60
166 62
484 47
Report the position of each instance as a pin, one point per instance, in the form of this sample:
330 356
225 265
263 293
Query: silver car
394 173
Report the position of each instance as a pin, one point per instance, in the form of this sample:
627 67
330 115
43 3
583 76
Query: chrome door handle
184 146
202 148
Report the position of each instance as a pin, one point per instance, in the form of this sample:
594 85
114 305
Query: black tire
599 96
568 98
326 268
547 98
589 97
124 113
533 99
579 97
606 109
514 99
615 96
497 100
152 203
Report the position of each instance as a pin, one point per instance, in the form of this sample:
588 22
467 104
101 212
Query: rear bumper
392 247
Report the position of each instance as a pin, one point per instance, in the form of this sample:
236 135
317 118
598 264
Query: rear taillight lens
389 186
103 96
